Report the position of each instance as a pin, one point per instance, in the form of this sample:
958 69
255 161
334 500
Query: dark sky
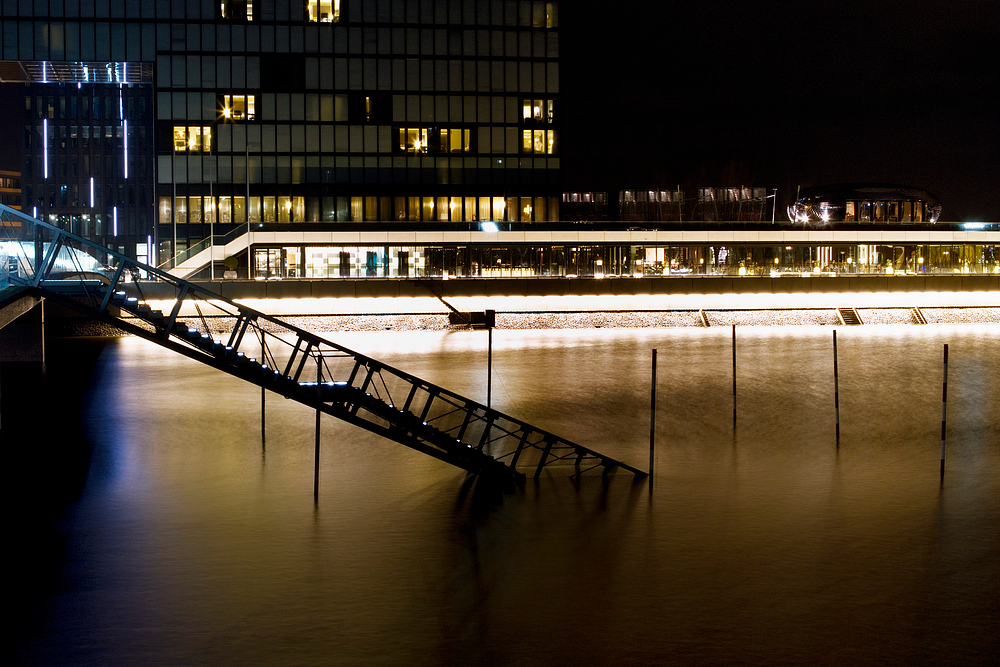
785 94
11 119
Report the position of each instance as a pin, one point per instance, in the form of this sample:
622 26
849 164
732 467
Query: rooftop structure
864 203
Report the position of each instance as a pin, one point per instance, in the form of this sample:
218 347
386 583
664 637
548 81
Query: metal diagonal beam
520 447
291 358
486 433
431 395
465 423
302 362
409 397
41 272
175 311
545 455
112 287
368 377
237 338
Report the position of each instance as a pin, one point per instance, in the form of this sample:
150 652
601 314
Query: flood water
190 543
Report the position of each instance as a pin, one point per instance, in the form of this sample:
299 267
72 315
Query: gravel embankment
575 320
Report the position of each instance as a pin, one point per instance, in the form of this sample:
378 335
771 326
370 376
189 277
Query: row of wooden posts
652 406
836 402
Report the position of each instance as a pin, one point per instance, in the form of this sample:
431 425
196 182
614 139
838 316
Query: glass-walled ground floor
196 210
599 261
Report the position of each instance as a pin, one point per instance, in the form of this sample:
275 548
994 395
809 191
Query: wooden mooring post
734 375
319 394
652 419
836 386
944 408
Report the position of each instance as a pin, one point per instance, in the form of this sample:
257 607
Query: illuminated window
541 142
180 138
192 139
413 140
238 107
455 141
538 111
442 140
237 9
324 11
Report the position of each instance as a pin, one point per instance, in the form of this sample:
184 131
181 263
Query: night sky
785 95
777 95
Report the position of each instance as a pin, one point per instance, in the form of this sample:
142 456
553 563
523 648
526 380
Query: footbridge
105 285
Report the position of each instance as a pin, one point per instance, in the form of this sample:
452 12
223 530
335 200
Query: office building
151 125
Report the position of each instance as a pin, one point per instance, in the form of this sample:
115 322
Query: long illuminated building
150 125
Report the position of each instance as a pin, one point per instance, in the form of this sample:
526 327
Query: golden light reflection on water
771 545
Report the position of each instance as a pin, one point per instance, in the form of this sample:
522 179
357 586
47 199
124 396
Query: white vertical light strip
34 212
114 228
45 144
91 192
121 117
45 72
149 249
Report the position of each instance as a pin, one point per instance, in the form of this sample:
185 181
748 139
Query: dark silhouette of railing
282 358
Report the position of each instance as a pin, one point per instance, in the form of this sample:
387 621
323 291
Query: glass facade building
484 259
151 125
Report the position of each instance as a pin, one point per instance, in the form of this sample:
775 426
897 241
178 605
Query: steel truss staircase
287 360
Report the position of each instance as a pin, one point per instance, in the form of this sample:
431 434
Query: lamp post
774 204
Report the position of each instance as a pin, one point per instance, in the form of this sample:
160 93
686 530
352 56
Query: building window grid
195 144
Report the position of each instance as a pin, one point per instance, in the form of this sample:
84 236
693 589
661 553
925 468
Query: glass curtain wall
599 261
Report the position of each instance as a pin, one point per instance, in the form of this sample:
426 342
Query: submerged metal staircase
285 359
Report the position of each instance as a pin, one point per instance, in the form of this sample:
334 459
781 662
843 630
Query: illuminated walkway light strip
114 229
45 144
91 192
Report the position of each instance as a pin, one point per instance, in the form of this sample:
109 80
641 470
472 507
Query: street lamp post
774 204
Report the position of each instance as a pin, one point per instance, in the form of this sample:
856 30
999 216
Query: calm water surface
191 544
